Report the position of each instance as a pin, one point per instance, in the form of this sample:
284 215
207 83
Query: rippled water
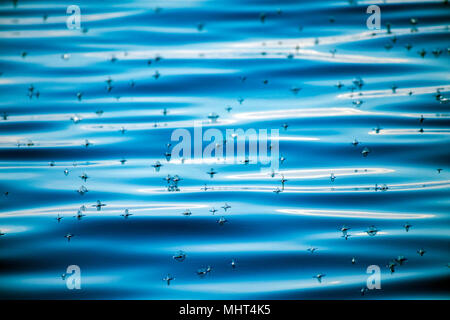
212 54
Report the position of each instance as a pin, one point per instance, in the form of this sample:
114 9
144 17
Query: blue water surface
137 70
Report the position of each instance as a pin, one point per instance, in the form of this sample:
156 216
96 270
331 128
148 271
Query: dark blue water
210 55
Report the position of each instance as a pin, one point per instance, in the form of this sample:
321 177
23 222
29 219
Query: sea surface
364 131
